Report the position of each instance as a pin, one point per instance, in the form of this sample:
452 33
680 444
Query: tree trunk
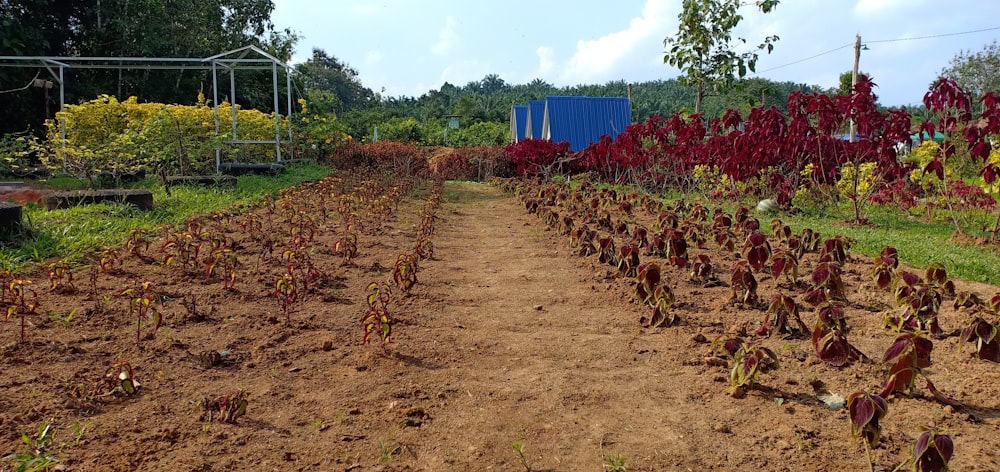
698 96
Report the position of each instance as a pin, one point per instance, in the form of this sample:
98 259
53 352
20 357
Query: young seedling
404 272
518 446
905 359
783 317
647 279
865 410
628 260
35 454
346 246
141 298
222 260
886 263
744 283
677 252
835 249
137 244
61 277
784 262
378 317
782 232
701 272
932 452
757 250
607 253
827 284
921 302
21 300
287 293
118 380
983 334
662 301
233 406
829 336
749 361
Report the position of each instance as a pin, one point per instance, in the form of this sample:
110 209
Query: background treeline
332 88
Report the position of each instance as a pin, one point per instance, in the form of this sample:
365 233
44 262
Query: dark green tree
976 72
704 47
331 85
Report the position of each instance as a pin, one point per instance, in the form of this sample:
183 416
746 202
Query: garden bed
506 338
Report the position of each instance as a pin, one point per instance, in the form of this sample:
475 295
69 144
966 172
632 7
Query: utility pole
854 76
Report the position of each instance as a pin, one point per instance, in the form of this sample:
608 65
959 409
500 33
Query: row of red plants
606 223
775 147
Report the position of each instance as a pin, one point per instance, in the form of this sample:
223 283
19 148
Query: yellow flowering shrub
867 180
106 134
317 136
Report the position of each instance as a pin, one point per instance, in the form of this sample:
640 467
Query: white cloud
447 38
596 59
546 62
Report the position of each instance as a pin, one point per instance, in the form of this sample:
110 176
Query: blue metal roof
536 114
518 122
583 120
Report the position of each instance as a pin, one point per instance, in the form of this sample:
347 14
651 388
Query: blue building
518 122
578 120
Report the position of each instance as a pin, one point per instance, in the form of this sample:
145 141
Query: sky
407 48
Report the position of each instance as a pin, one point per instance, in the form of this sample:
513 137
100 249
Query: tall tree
136 28
977 72
332 85
704 47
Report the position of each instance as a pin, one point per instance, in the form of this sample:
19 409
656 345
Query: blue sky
409 47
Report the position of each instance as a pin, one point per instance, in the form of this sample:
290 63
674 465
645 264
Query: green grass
919 243
73 233
919 239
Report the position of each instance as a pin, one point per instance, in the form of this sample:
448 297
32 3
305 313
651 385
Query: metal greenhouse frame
245 58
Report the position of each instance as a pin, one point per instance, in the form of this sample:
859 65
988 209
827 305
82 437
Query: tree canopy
976 72
704 47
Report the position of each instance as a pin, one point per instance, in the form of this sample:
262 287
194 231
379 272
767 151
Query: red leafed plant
650 291
983 334
885 267
20 299
829 336
757 250
749 361
932 452
827 284
628 260
905 359
783 317
287 293
677 252
743 283
404 272
784 262
865 411
377 318
141 297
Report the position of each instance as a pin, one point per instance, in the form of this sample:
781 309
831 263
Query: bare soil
506 338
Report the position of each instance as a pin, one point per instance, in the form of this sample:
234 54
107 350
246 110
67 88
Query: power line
934 36
808 58
879 41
